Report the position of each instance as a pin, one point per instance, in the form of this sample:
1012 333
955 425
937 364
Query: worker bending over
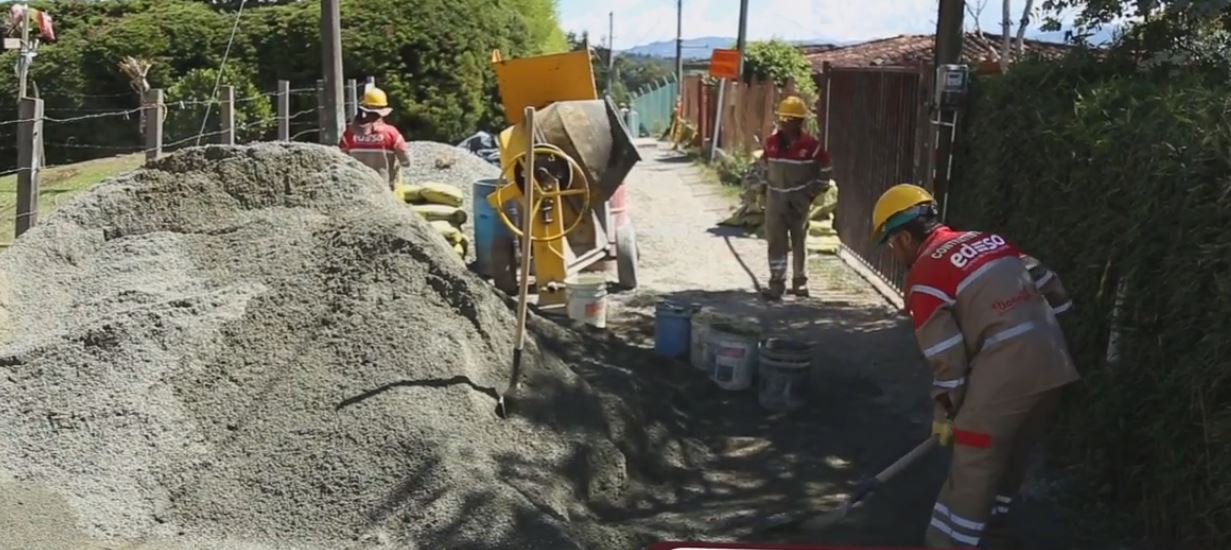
797 170
372 141
985 317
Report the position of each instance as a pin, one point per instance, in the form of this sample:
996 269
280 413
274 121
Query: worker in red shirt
985 317
372 141
797 170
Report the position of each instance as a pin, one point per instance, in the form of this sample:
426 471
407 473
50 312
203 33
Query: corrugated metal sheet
655 108
877 132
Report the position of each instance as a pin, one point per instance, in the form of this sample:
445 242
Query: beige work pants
786 229
992 444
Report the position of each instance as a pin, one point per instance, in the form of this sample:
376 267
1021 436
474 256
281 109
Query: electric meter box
952 85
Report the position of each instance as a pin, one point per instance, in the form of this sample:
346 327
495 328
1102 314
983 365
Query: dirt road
869 400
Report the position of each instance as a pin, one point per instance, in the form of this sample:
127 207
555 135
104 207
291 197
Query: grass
57 184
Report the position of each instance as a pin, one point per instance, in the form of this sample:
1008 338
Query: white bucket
735 358
587 299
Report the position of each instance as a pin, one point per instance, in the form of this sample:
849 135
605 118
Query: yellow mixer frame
562 194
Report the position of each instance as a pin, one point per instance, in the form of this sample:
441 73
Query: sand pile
257 347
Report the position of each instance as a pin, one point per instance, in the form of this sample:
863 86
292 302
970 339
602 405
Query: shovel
505 399
866 488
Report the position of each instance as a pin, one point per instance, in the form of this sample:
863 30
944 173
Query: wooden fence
748 111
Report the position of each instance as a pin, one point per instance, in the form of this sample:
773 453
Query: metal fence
654 108
877 131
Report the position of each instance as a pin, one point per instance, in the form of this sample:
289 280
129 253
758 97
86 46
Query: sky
639 22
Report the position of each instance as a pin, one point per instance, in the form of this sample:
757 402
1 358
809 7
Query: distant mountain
692 47
700 48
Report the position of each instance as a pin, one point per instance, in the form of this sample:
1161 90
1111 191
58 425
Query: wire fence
88 133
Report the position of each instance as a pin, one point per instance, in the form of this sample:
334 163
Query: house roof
911 49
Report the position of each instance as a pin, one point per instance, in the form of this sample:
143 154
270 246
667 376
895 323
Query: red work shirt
805 148
796 165
380 147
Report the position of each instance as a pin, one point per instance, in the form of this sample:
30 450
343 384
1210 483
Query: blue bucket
672 330
487 225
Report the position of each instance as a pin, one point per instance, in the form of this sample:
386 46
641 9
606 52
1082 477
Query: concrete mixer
582 153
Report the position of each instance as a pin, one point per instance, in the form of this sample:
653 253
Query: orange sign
724 64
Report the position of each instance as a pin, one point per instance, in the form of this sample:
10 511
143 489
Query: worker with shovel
797 170
372 141
984 315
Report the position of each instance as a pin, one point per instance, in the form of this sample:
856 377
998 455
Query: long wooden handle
526 222
906 460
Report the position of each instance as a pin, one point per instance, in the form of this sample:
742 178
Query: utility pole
949 32
610 52
679 44
742 41
948 51
331 61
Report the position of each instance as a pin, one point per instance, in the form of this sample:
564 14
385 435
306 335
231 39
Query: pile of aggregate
257 347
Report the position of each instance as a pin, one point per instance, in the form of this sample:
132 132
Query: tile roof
911 49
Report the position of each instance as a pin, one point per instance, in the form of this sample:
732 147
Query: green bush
431 56
781 62
1118 177
254 113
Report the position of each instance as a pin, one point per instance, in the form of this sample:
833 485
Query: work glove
942 430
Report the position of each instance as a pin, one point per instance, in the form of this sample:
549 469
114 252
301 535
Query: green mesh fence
654 109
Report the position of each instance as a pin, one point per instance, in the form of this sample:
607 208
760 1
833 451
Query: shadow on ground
740 464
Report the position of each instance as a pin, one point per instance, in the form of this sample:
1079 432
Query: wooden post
227 113
322 113
153 109
722 91
352 99
284 110
29 143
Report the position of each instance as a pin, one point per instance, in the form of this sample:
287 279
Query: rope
225 56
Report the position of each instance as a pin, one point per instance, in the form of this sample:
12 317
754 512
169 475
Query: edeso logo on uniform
971 251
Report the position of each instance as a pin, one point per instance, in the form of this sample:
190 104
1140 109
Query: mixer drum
594 134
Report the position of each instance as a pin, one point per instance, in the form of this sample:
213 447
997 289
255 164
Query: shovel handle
906 460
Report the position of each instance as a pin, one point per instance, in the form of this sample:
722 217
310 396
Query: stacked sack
441 205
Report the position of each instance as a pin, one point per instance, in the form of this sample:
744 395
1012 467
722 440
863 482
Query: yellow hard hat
899 199
374 99
792 107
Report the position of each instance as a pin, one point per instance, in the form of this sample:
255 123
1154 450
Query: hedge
431 56
1121 178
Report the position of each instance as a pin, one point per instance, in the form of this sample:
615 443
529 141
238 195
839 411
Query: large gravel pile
257 347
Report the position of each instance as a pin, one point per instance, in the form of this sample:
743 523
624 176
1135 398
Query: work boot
799 287
775 291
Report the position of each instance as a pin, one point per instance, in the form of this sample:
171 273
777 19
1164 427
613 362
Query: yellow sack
440 193
825 204
449 232
440 213
408 193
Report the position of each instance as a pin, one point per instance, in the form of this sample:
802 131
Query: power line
221 67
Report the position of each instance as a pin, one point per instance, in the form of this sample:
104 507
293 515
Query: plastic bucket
672 328
488 229
734 357
782 374
587 299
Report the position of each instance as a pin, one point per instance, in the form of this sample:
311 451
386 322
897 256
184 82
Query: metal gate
876 129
